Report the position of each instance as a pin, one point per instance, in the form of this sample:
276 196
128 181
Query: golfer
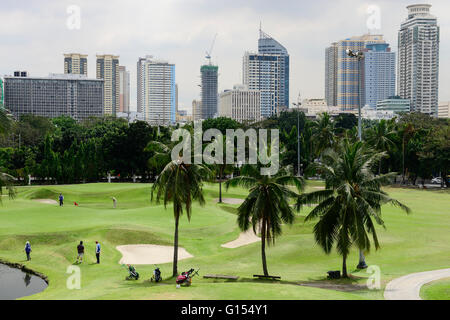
61 200
97 251
28 250
80 249
114 202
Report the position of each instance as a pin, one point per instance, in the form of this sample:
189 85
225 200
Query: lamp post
359 55
299 173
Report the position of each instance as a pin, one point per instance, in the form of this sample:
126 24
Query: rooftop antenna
208 53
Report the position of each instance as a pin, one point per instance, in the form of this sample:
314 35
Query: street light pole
298 139
359 55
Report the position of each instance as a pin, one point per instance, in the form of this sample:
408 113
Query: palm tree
382 138
323 133
267 204
351 201
181 184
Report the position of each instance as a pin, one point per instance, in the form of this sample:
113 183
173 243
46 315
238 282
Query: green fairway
436 290
414 243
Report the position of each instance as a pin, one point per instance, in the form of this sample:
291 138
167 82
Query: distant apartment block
418 59
75 63
156 90
58 94
108 70
124 89
196 110
378 73
240 104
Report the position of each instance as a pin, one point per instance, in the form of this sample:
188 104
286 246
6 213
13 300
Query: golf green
410 243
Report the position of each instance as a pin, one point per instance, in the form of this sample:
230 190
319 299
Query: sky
35 35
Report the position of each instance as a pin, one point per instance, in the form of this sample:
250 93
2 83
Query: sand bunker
150 254
46 201
244 239
319 188
231 200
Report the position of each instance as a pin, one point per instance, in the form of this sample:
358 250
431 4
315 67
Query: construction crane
208 53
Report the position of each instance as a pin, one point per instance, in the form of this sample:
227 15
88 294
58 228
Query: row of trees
62 150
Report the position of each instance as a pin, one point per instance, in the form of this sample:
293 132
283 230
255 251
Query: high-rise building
268 72
108 70
156 90
347 74
418 59
75 63
72 95
209 75
1 93
196 110
378 73
240 104
124 89
331 56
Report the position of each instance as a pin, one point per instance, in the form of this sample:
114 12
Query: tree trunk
220 184
344 267
379 167
263 247
175 247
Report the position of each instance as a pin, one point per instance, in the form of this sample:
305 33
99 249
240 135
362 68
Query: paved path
408 287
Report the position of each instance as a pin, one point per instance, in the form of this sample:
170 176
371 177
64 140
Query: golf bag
133 274
186 277
156 275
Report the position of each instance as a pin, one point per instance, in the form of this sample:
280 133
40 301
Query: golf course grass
436 290
410 243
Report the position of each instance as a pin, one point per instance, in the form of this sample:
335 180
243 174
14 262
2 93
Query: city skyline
305 29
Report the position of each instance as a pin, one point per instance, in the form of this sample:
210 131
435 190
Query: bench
220 276
266 277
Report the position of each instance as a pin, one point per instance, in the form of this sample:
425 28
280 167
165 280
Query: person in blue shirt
97 251
28 250
61 200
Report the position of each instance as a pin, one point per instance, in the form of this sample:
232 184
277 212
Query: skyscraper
75 63
331 54
347 74
418 59
378 73
209 74
156 90
268 72
108 70
124 89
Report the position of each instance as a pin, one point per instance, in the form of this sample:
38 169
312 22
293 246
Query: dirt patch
150 254
46 201
231 200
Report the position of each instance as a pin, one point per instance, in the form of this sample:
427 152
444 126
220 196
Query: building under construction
209 74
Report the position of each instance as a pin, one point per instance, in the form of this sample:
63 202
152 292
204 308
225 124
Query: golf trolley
156 277
186 277
133 274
